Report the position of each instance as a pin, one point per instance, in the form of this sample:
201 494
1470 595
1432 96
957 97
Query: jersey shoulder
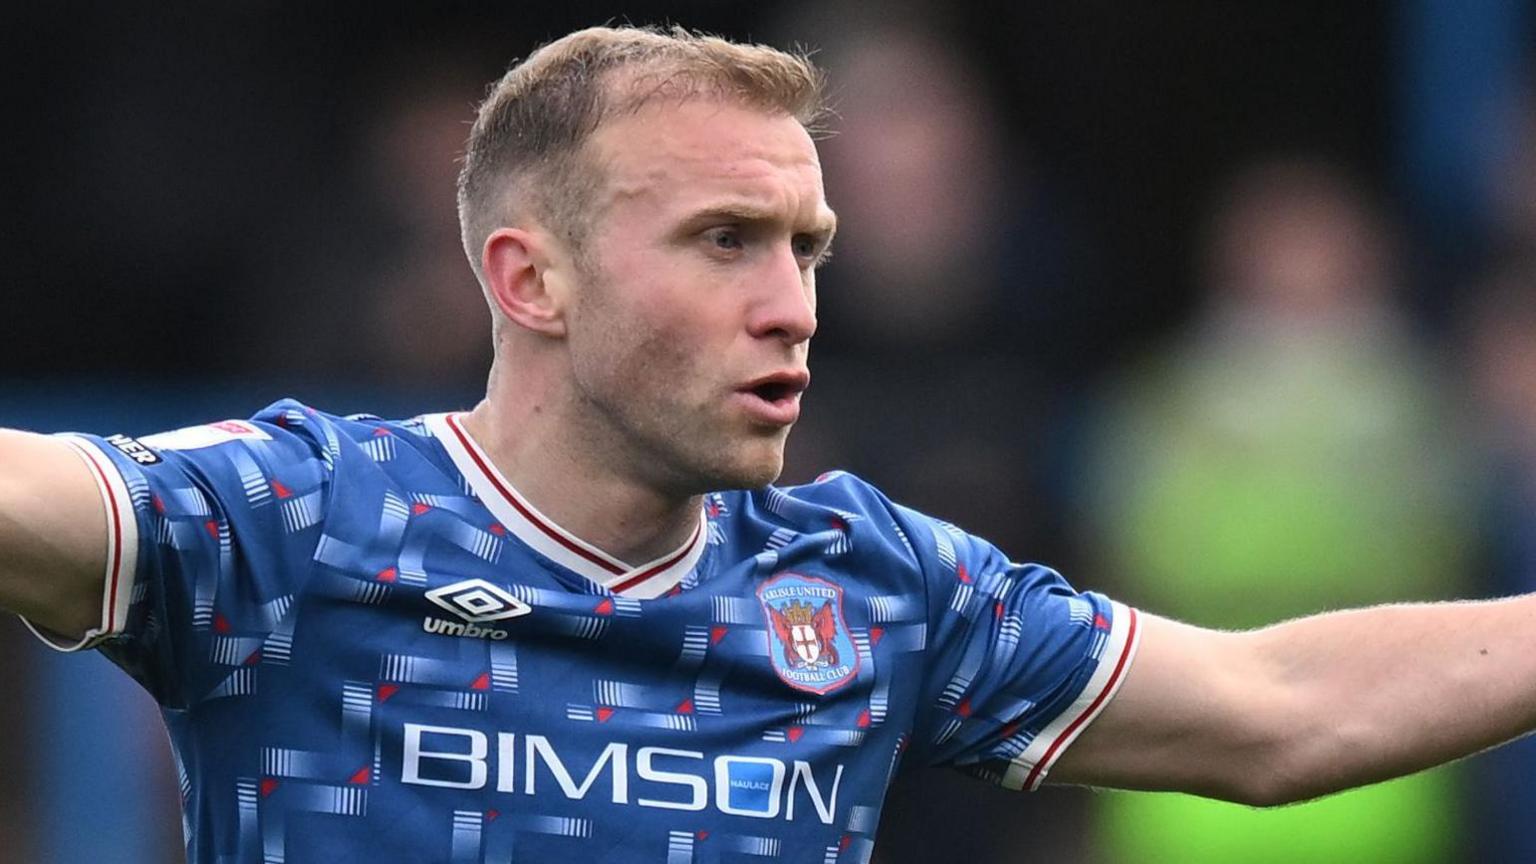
333 435
861 521
325 427
834 492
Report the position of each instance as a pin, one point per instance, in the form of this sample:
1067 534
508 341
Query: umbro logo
477 602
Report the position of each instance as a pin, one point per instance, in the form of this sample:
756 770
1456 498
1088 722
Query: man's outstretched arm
1313 705
53 534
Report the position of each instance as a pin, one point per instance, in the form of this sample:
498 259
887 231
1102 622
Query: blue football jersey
369 647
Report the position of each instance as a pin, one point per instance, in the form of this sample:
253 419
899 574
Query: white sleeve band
122 550
1029 768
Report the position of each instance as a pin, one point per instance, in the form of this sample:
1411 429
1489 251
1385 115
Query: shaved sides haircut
525 156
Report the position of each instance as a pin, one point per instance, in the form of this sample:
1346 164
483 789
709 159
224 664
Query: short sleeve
211 533
1018 662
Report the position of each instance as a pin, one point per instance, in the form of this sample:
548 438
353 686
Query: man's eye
724 238
812 249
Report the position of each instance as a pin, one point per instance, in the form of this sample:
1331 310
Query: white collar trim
519 516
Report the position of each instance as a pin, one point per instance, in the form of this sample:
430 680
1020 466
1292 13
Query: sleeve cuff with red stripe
122 550
1028 769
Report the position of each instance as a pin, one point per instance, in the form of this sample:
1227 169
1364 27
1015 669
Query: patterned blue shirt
368 646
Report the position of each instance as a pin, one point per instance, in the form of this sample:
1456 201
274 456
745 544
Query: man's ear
523 280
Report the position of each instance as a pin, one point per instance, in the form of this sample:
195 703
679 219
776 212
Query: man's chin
751 477
743 461
754 469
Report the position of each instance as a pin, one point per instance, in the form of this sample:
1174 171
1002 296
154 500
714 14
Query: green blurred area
1259 474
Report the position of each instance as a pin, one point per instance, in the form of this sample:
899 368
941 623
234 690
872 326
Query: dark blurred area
1228 310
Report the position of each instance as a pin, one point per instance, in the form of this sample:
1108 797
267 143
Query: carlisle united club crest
808 641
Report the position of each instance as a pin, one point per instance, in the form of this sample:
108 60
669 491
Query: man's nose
787 308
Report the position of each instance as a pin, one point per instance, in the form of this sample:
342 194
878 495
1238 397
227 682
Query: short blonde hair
525 150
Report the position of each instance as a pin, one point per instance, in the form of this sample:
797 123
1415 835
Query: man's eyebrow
741 211
735 211
829 227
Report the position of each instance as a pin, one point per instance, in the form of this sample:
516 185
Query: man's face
689 331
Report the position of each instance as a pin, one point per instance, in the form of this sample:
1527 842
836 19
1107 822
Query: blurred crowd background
1228 310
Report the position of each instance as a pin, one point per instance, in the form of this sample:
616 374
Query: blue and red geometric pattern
368 646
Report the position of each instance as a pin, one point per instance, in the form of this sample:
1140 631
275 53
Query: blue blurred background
1226 309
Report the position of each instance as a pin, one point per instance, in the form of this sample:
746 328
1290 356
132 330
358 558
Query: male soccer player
579 621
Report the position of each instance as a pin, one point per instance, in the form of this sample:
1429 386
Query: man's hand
1315 705
53 534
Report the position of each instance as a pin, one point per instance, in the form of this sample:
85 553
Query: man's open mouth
773 391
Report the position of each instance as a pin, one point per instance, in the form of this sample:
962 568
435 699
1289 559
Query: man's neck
596 502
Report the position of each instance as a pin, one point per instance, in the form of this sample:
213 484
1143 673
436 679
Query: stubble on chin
728 460
676 447
632 384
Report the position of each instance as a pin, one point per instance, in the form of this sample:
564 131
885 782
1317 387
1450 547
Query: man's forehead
707 149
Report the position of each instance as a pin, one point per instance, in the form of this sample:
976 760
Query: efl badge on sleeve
808 639
207 435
